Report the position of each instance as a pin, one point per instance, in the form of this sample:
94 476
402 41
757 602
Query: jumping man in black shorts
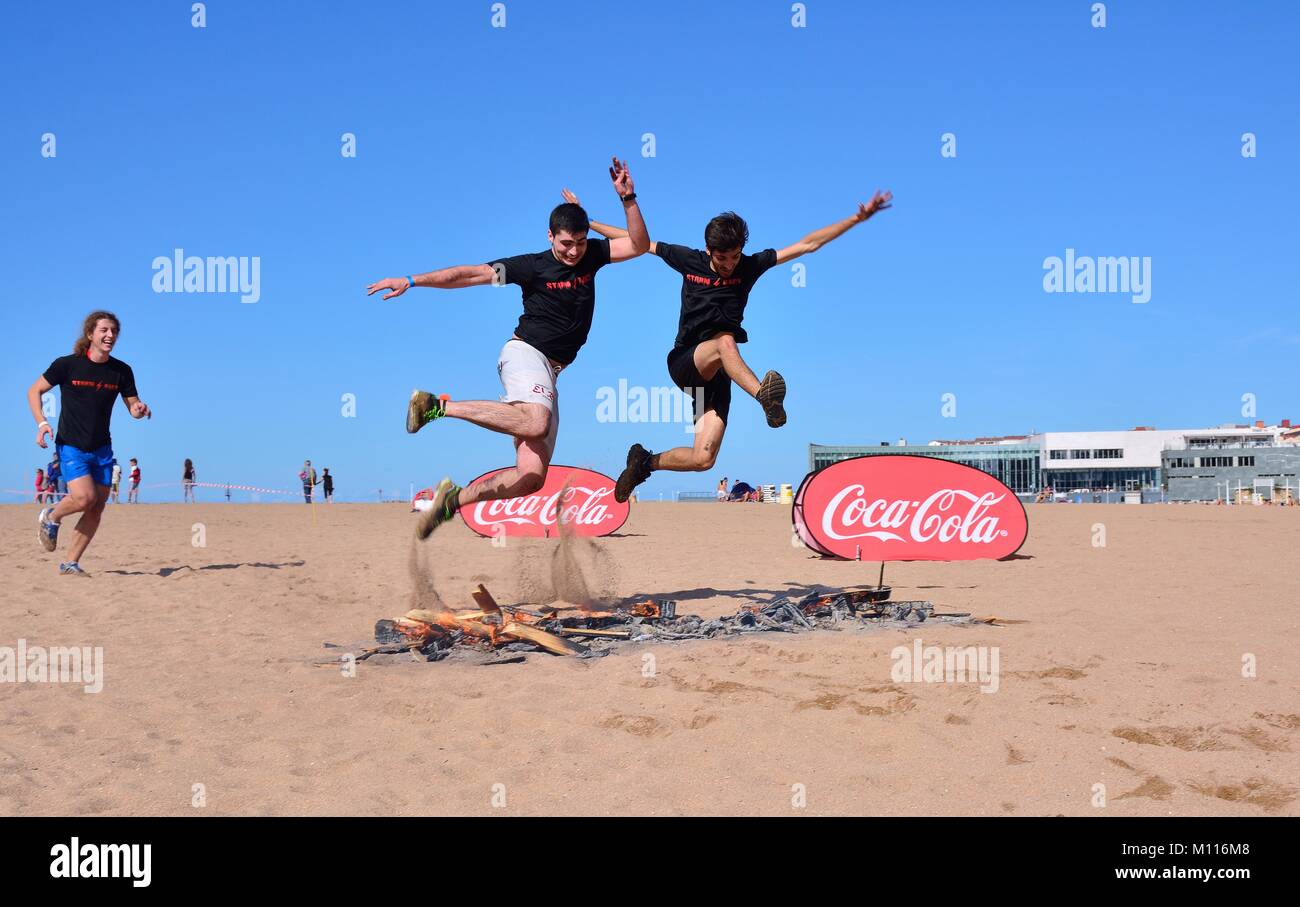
705 360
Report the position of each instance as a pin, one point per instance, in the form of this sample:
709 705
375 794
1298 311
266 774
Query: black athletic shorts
717 390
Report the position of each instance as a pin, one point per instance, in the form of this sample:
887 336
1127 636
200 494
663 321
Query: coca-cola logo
580 499
908 508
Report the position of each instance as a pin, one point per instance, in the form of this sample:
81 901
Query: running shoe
771 396
446 501
48 532
424 408
72 568
637 471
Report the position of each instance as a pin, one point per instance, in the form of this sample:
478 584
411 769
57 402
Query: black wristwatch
630 197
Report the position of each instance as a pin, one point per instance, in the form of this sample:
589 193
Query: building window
1080 454
1213 462
1108 453
1057 454
1245 461
1181 463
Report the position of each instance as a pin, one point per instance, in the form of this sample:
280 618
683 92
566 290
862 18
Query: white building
1131 460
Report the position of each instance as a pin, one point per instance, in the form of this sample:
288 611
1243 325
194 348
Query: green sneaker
446 501
423 408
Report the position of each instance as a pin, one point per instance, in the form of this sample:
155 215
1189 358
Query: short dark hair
569 218
725 232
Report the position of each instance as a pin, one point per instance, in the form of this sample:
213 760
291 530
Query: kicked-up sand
1155 674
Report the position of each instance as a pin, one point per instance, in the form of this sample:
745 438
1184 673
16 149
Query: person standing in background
328 481
309 480
133 495
188 478
39 497
52 476
117 481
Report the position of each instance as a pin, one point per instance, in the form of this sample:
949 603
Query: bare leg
529 474
709 429
87 526
80 498
521 420
722 352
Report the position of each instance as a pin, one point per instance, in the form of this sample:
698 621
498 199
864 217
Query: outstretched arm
818 238
606 230
445 279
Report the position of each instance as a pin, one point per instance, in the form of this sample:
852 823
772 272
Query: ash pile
504 634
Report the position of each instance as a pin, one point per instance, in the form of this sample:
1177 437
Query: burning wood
505 630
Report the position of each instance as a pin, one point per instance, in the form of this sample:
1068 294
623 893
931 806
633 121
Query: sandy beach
1120 666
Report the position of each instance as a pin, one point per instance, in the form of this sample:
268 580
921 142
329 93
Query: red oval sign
580 498
904 507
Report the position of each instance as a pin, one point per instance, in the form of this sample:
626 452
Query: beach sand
1125 670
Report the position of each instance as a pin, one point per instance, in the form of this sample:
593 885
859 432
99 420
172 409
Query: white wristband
43 422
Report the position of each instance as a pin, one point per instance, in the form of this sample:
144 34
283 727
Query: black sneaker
771 396
637 471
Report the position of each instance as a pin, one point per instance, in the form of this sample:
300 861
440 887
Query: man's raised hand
621 177
395 285
879 202
570 197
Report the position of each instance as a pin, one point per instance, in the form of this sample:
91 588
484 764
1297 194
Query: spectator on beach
52 477
742 491
309 480
188 478
328 481
39 497
117 481
722 489
133 494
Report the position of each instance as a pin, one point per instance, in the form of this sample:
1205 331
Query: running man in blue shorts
90 381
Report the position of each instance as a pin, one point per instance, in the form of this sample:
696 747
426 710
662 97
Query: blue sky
225 141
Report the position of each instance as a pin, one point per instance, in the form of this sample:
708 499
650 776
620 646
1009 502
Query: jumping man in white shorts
559 297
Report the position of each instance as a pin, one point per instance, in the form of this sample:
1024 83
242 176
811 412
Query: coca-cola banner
898 507
580 498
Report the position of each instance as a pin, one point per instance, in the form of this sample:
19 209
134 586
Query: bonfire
506 633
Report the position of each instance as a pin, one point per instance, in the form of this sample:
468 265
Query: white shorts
527 376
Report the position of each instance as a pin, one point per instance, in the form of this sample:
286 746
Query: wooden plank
548 641
483 598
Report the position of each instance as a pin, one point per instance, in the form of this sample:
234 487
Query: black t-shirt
89 390
710 303
558 300
329 482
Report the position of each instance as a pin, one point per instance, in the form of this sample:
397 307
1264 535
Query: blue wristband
410 281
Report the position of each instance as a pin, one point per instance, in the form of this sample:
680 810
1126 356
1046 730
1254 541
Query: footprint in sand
1015 756
1202 739
637 725
1262 792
